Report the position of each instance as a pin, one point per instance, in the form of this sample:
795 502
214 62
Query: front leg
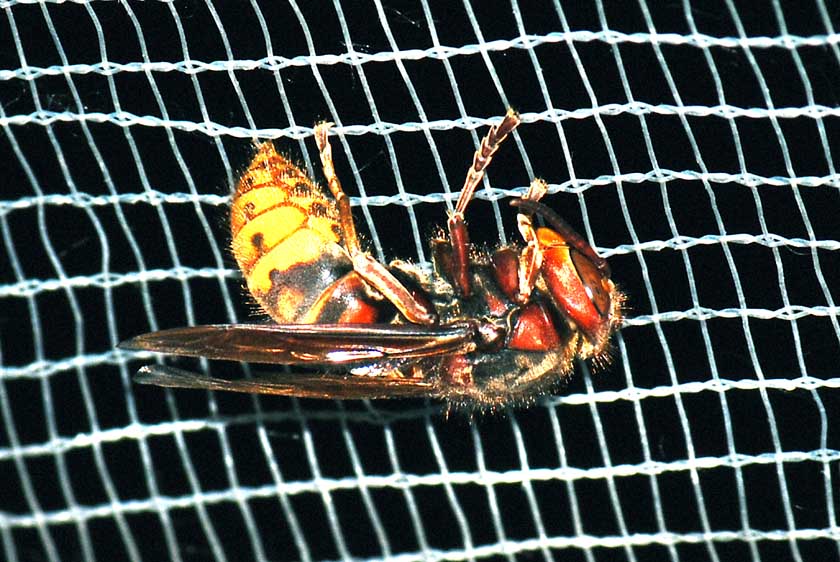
532 256
459 239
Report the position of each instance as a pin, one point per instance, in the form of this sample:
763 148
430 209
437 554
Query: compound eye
594 282
578 285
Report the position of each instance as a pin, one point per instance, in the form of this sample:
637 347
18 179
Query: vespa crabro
482 330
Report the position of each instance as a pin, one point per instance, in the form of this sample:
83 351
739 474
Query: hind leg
373 272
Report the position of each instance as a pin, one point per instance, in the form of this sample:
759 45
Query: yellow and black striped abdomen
285 236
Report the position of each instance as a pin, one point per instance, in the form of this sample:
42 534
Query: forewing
290 344
302 385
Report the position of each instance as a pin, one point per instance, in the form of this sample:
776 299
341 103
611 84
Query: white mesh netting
692 143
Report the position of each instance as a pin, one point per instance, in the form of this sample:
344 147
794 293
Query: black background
119 471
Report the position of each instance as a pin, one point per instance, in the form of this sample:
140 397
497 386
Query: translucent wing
302 385
290 344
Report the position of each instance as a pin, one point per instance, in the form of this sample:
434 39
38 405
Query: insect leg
348 227
458 236
373 272
531 261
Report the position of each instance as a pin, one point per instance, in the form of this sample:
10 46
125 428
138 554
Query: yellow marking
268 166
304 246
326 227
287 305
259 236
270 180
253 203
548 237
280 220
